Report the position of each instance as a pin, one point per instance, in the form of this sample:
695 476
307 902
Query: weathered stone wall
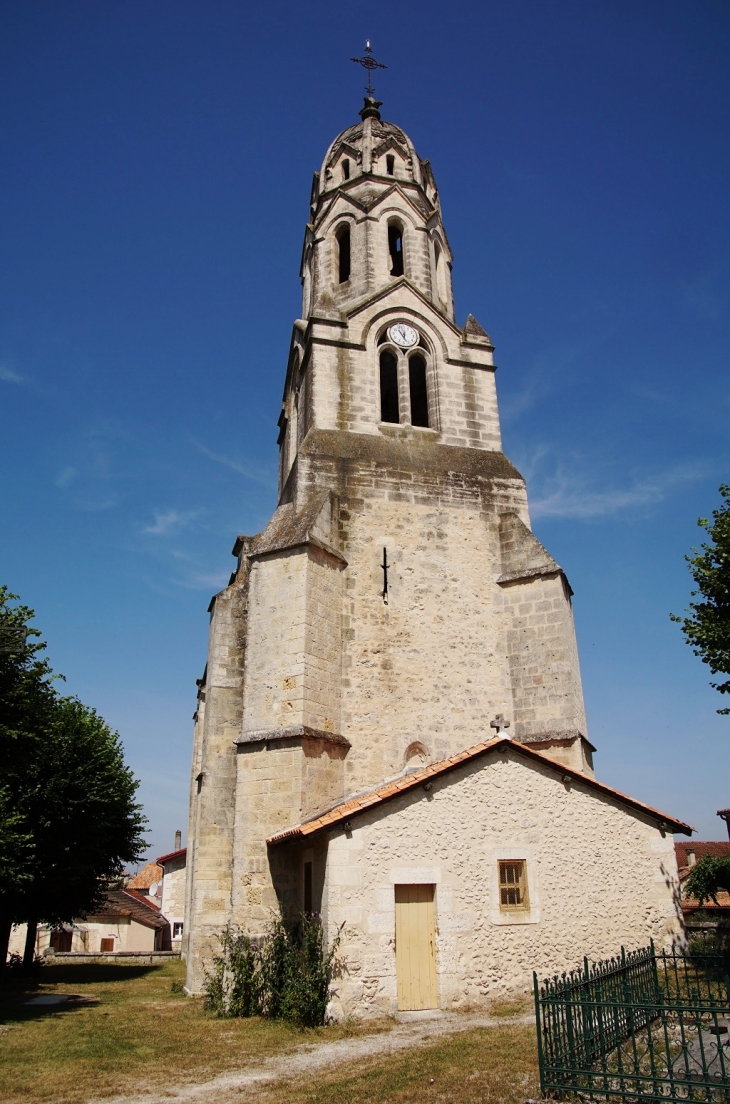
213 811
173 892
599 875
543 657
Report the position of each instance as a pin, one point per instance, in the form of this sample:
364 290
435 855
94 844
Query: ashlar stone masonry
396 611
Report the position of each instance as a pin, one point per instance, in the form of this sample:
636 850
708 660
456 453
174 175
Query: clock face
403 335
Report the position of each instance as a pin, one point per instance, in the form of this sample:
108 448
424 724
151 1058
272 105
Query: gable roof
149 873
126 903
179 854
717 848
373 798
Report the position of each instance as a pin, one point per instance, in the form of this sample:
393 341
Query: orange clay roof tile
383 793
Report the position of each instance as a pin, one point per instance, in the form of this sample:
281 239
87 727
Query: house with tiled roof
712 918
390 728
127 921
172 901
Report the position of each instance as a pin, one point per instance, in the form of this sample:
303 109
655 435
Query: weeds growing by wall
284 975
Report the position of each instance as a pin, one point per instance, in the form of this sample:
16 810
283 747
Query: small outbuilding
458 880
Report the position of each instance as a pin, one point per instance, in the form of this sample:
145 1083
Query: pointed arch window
346 169
389 411
343 254
395 248
390 164
418 391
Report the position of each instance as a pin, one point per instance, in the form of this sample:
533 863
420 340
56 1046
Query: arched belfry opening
343 253
418 390
395 248
389 407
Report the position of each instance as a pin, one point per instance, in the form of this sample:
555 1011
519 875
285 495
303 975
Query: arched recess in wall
307 285
442 279
343 253
415 755
395 248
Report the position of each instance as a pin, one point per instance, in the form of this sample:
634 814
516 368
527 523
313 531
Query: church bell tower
397 608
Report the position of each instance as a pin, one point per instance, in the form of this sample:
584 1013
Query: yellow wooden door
415 947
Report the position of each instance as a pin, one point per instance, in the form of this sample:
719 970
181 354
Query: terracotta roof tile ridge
385 791
381 793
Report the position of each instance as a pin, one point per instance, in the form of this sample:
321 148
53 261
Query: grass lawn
139 1034
493 1065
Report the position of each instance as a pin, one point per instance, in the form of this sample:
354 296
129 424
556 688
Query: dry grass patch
492 1065
138 1035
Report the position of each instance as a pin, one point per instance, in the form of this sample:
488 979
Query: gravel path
315 1058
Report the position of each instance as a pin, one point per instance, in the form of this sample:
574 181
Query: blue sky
157 166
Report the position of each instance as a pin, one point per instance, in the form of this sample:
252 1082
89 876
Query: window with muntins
389 411
395 248
513 885
418 390
343 254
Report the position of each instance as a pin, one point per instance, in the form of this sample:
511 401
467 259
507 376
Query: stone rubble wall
599 875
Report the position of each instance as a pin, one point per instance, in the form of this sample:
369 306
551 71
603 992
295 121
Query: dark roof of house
179 854
126 903
389 790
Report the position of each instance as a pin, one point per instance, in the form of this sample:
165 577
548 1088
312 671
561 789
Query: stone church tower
397 609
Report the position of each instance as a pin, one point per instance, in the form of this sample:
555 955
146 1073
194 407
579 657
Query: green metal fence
644 1026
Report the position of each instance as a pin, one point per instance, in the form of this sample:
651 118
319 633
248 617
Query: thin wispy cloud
65 476
243 467
7 375
204 580
570 496
168 521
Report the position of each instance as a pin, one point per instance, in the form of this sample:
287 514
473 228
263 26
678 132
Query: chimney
691 857
178 841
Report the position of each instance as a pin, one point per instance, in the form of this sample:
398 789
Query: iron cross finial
368 62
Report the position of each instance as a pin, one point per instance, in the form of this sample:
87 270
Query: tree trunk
29 953
6 926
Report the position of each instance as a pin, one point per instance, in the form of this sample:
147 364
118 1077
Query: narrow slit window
346 169
343 254
395 247
308 887
390 164
419 393
388 388
513 885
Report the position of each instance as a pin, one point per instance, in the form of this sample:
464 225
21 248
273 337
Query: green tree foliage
285 975
706 626
68 817
707 877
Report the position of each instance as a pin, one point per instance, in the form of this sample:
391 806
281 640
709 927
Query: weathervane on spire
368 62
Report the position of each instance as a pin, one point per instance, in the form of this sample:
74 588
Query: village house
711 920
390 728
172 900
127 921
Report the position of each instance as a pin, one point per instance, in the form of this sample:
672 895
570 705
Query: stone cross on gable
499 723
